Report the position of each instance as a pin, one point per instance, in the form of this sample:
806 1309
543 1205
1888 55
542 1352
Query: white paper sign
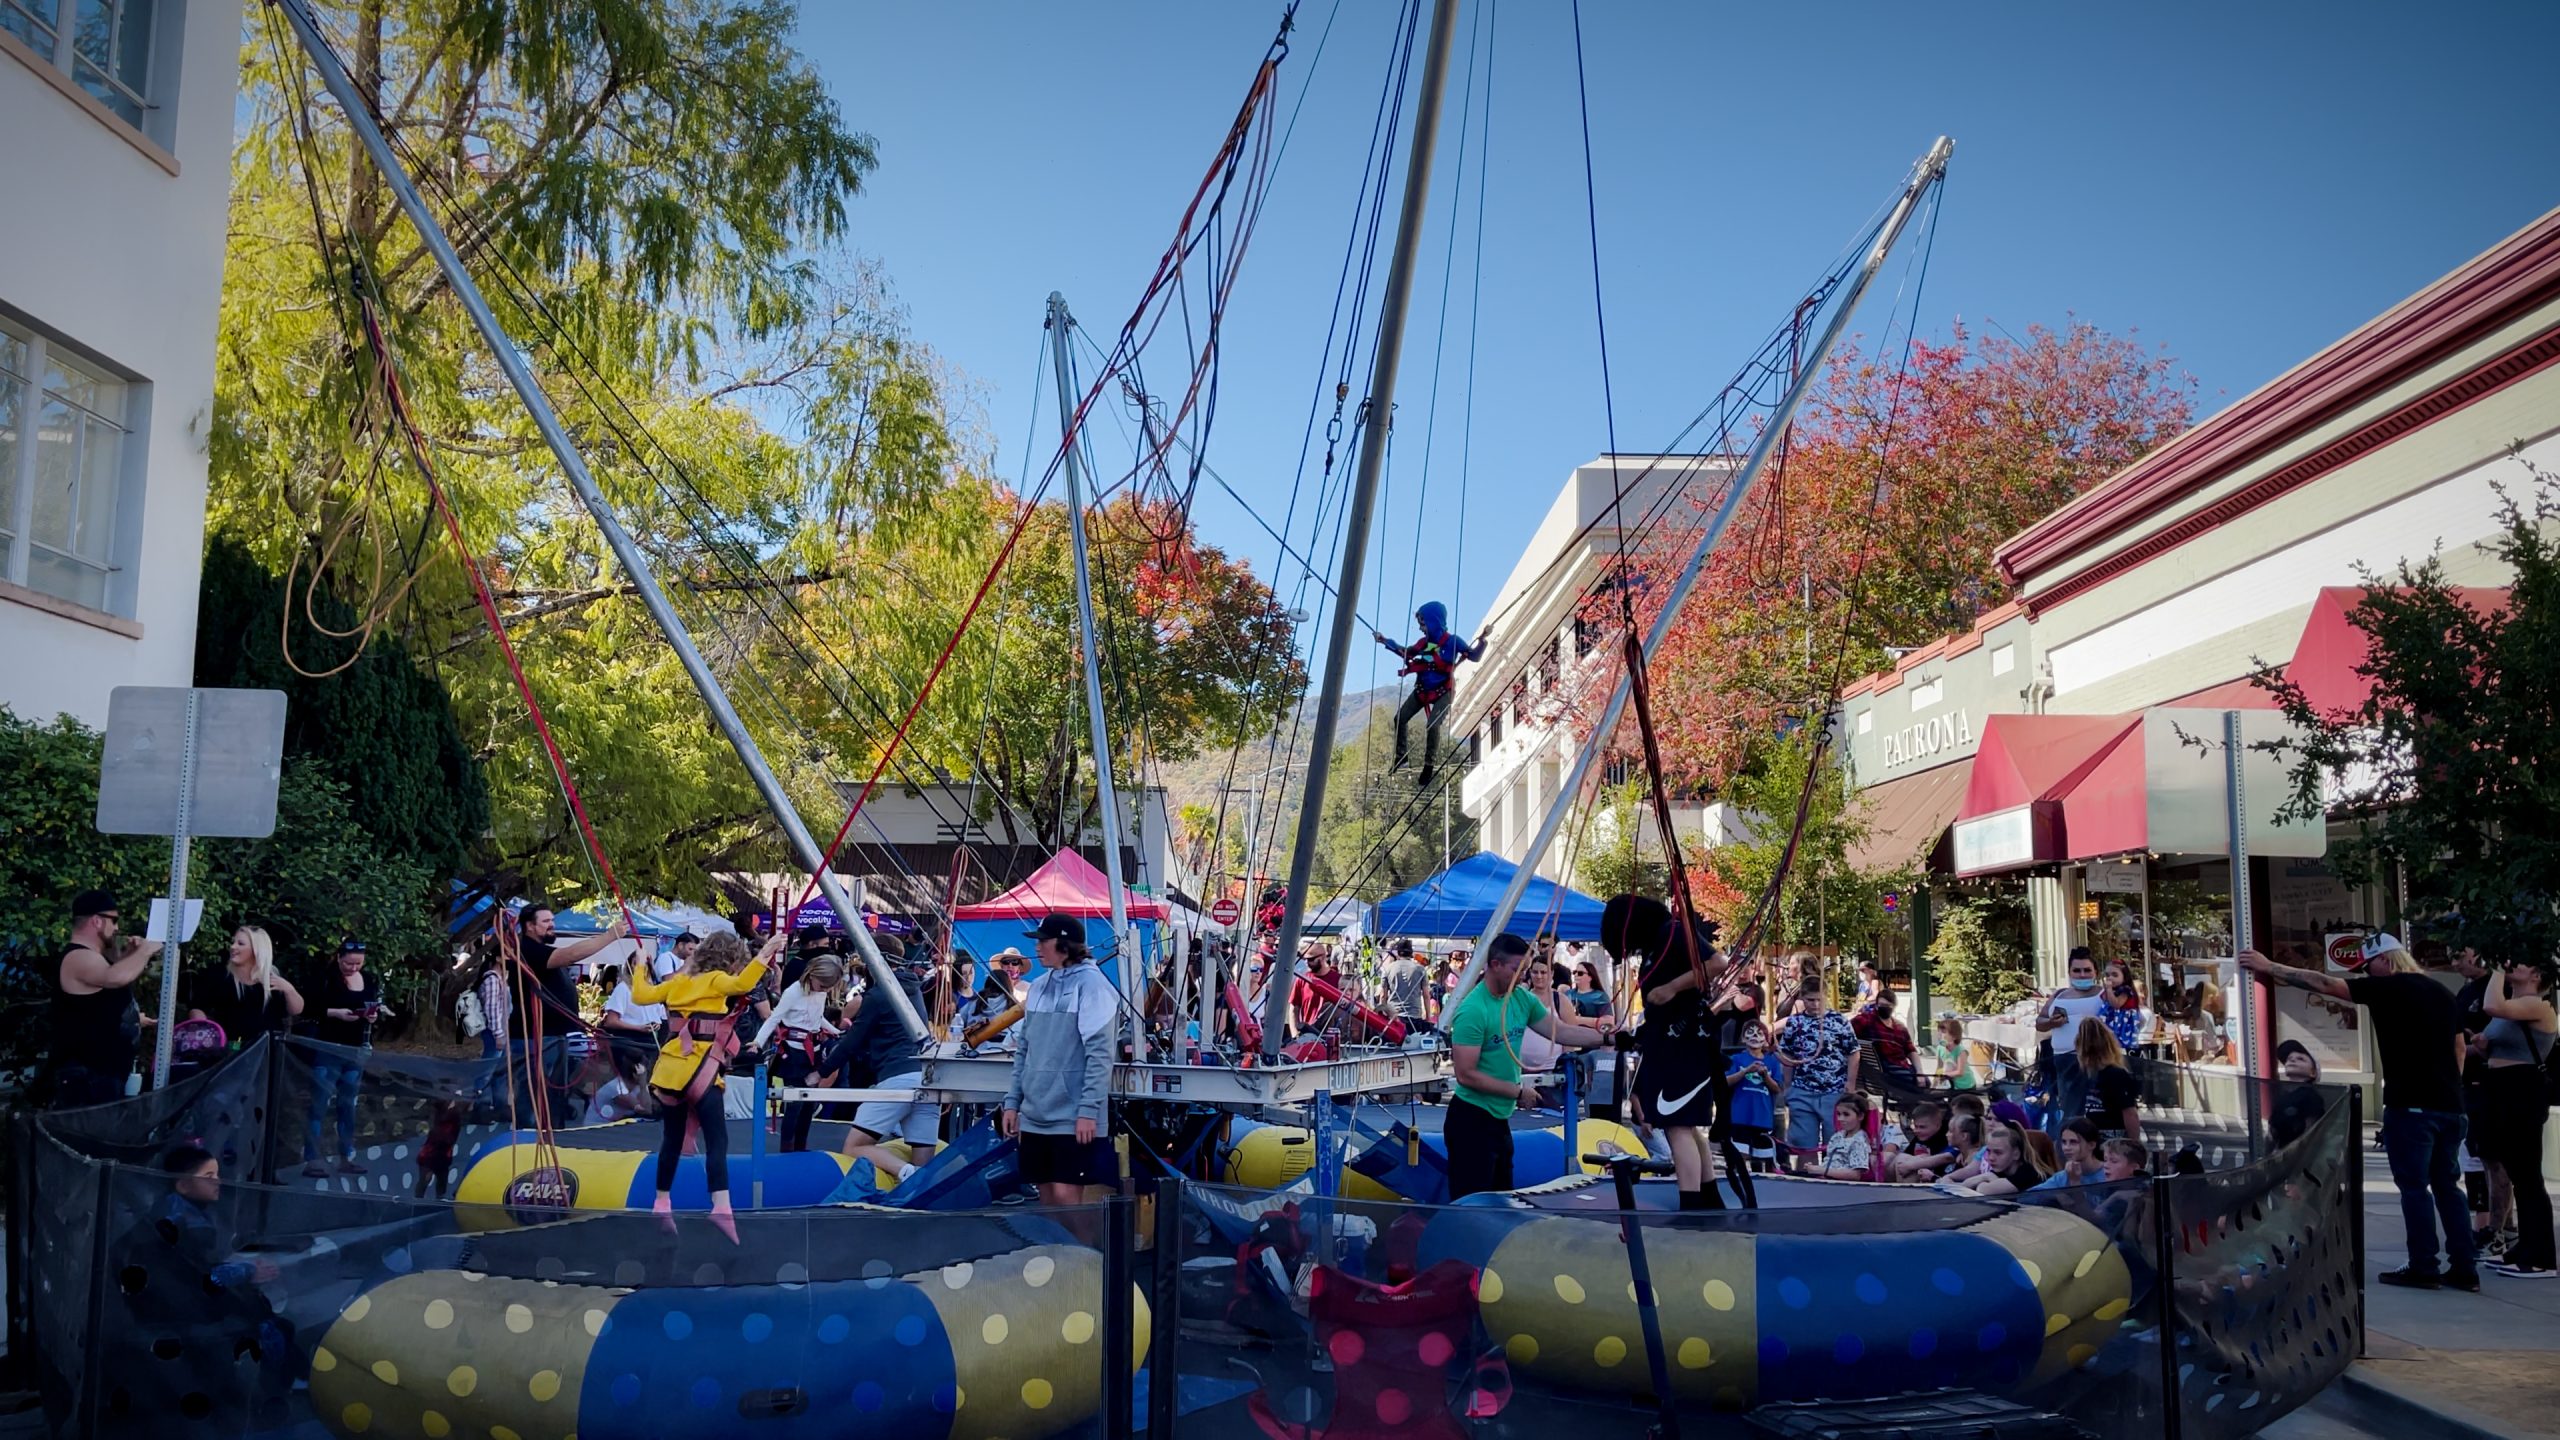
160 920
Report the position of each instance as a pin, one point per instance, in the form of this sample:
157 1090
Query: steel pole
804 846
1132 967
1931 169
1380 409
180 848
2256 997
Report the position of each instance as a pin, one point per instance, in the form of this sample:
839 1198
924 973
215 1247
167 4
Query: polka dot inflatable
1269 1157
2000 1304
965 1352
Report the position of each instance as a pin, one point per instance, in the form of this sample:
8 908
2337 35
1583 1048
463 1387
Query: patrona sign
1929 737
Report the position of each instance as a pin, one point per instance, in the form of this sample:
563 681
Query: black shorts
1063 1160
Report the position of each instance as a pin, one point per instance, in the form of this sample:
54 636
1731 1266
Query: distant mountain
1196 781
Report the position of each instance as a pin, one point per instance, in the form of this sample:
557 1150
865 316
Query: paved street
2484 1364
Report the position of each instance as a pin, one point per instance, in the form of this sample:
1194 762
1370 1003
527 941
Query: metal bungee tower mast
804 846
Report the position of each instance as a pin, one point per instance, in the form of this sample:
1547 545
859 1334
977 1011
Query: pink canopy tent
1067 885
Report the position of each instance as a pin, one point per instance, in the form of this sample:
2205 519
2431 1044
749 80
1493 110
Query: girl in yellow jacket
701 1037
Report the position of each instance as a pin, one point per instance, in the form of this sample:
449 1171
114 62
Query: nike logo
1668 1106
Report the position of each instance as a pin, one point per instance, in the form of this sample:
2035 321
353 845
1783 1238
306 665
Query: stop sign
1226 911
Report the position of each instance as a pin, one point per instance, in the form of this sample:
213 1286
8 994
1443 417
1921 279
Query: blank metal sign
239 756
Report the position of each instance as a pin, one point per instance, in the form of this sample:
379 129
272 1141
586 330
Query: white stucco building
1510 709
118 115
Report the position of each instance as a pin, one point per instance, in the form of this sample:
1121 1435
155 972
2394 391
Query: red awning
2327 656
2027 758
2021 771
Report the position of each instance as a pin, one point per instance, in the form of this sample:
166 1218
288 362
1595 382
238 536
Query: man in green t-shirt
1485 1029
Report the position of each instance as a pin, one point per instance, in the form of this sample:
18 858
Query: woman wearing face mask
2058 1022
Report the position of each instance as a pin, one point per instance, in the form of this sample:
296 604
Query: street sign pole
178 853
188 763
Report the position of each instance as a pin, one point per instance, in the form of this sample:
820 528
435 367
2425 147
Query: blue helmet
1434 617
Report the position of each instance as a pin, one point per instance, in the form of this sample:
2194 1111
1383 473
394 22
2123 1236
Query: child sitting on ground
2124 1159
1927 1151
1847 1155
2040 1149
1756 1077
2008 1167
1964 1134
2081 1162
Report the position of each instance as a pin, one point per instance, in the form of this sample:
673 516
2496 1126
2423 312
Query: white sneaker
2525 1272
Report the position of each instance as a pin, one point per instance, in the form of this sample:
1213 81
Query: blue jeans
2070 1093
334 1086
2425 1149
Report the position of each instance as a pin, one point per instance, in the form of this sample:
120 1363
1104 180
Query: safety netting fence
268 1302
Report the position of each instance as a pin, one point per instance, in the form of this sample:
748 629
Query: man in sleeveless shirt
94 1024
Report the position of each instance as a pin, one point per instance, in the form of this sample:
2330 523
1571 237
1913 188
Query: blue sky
2237 183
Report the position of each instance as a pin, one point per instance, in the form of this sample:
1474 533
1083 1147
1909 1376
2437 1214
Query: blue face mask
2079 984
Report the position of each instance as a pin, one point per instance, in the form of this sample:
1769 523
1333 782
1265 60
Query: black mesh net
2206 1305
343 1303
2267 1275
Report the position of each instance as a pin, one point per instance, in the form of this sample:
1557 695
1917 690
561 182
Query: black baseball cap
92 902
1065 929
2286 1049
688 938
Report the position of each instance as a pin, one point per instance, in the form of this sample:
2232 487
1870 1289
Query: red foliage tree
1879 527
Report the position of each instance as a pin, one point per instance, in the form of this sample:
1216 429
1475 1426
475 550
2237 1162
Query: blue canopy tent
1341 915
1067 885
1458 903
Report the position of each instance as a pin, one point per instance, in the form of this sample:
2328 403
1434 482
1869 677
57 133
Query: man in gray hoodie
1060 1102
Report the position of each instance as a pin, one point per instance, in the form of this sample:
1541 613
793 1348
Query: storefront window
2191 968
2310 910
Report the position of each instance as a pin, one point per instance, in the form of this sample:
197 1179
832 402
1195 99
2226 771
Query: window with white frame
103 45
62 438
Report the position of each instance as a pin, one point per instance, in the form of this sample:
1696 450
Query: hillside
1196 781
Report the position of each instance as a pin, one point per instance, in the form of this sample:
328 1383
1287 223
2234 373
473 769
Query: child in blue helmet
1432 661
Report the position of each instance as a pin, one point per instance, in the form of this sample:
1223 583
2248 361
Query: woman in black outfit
1679 1064
246 997
2109 1094
2522 1030
350 1003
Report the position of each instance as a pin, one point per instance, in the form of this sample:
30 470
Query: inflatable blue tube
1010 1345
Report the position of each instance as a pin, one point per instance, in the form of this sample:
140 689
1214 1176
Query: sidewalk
2486 1366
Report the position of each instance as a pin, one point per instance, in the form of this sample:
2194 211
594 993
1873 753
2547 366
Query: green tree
1381 832
1824 898
652 193
1626 857
1196 653
2445 765
1976 961
319 877
372 717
